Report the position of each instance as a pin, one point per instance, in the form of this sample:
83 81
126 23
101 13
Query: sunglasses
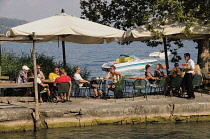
56 70
39 68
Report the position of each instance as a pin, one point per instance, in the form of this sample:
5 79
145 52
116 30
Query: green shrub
12 64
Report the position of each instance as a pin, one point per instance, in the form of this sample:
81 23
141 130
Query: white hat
25 68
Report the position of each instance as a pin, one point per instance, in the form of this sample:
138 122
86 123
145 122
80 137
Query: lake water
93 56
191 130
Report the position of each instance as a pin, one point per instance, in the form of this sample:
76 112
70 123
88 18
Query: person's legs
189 85
69 94
52 91
28 92
94 89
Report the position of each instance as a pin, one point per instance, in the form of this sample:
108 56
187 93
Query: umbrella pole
64 55
0 59
166 55
36 117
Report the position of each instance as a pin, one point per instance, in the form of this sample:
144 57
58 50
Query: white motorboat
128 62
160 54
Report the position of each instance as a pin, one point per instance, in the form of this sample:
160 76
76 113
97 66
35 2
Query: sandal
97 97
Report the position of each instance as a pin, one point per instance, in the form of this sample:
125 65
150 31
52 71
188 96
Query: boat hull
158 54
128 65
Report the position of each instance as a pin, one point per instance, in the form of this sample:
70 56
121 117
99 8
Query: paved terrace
17 116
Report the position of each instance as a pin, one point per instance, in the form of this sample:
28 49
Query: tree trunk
203 54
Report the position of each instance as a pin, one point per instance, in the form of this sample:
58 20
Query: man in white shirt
188 76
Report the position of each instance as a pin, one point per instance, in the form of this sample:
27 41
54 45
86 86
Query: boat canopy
129 55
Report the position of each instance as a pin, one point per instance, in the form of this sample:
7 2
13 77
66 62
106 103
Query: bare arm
150 76
117 73
26 78
108 75
83 81
43 77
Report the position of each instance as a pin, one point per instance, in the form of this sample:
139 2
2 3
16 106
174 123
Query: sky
32 10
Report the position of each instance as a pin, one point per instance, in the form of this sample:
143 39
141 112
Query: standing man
188 76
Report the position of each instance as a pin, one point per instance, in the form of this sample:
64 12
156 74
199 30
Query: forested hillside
6 23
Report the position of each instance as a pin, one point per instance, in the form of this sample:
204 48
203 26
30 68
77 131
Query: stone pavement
83 111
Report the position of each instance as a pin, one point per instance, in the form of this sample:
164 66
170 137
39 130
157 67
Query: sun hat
25 68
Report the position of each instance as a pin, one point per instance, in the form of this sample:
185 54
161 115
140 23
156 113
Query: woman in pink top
63 78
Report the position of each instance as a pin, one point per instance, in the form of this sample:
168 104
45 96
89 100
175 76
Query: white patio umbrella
68 28
65 28
170 29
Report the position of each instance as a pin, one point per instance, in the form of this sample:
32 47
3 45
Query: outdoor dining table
48 81
139 77
4 83
12 84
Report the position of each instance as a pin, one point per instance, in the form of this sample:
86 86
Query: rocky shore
18 116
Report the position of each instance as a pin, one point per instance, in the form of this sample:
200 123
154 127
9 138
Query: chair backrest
196 81
120 85
162 81
93 78
140 82
127 77
176 81
63 87
129 81
205 73
116 79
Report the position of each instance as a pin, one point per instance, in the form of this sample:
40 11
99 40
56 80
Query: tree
128 14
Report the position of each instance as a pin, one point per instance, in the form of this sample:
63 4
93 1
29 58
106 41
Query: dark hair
113 67
56 67
147 66
176 64
187 54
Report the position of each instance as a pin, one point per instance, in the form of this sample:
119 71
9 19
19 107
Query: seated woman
158 73
43 87
84 83
40 74
63 78
176 71
114 75
197 71
149 75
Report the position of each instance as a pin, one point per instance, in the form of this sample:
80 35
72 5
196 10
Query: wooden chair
118 90
176 83
139 85
80 91
62 89
129 83
158 85
206 78
197 82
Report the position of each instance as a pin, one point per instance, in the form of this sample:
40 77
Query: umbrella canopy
68 28
170 29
